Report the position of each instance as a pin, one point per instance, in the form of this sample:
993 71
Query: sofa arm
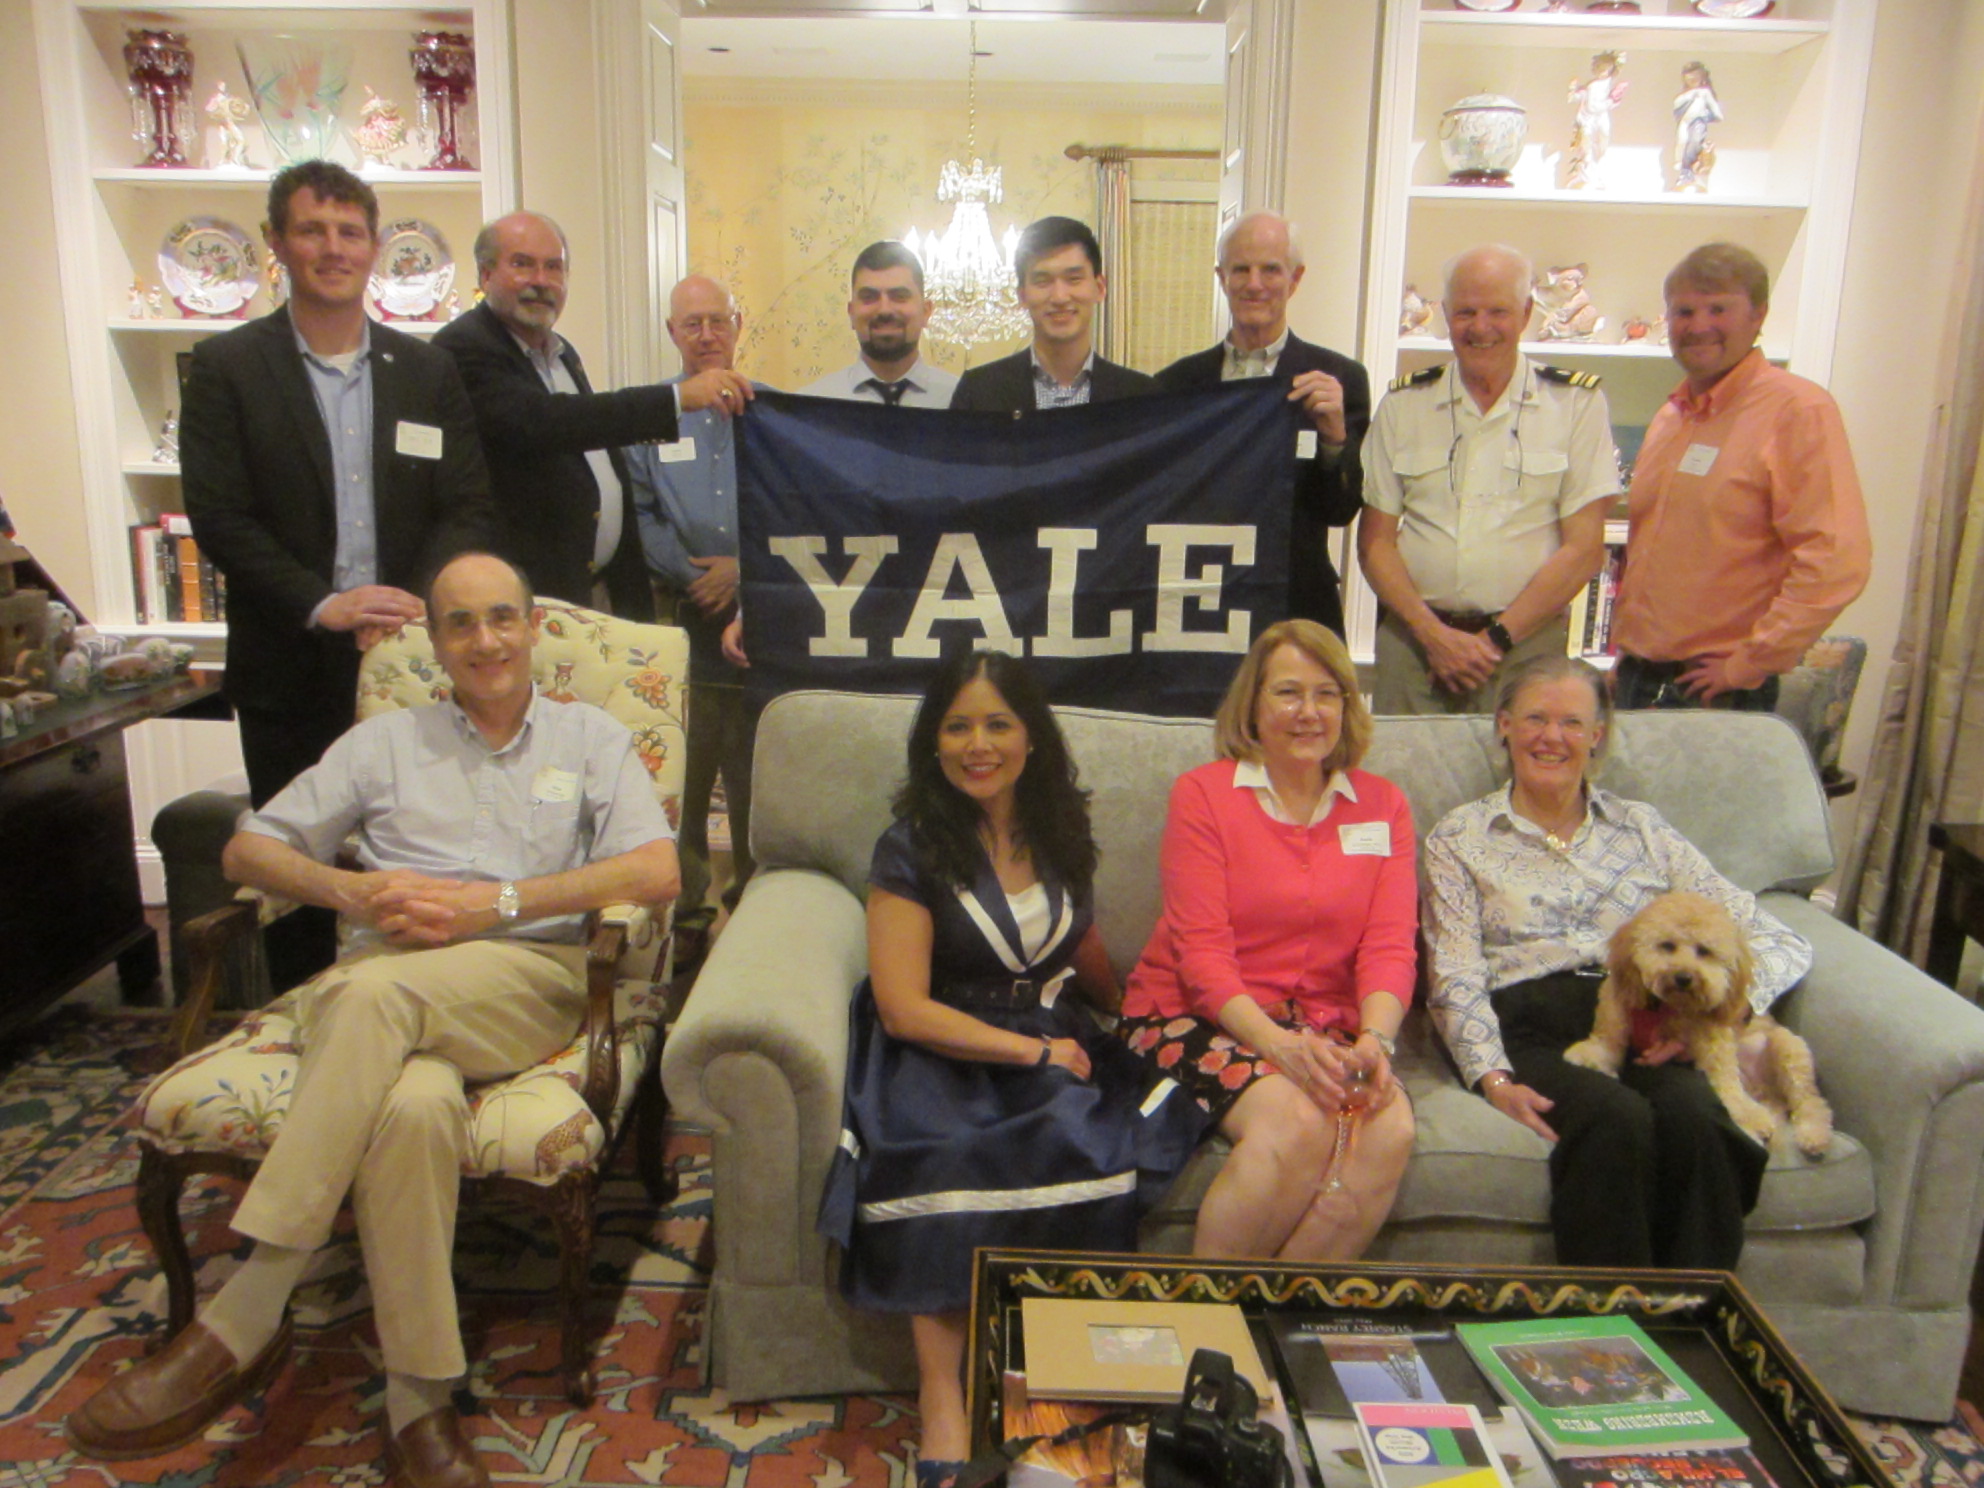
759 1055
1901 1059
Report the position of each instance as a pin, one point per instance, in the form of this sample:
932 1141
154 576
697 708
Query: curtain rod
1134 152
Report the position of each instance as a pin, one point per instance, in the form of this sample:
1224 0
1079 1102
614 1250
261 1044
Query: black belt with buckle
1473 622
1015 995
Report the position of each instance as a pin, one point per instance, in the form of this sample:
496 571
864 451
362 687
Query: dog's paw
1757 1119
1812 1131
1592 1055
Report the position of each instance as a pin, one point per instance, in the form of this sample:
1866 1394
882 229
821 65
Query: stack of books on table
1587 1402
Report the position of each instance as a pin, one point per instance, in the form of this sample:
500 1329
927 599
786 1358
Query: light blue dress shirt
686 502
344 398
423 790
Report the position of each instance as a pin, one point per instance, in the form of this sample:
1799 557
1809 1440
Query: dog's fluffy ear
1622 968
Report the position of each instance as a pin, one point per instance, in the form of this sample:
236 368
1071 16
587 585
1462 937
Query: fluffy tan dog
1680 969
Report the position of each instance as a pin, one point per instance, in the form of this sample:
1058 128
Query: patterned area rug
80 1296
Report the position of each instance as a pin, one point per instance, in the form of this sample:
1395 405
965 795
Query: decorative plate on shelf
1486 4
1734 10
210 267
415 270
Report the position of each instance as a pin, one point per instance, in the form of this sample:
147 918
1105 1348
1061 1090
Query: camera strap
989 1468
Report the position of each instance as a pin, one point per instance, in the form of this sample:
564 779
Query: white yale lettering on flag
958 555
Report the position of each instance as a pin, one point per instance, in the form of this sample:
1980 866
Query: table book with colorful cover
1335 1359
1598 1387
1734 1467
1414 1444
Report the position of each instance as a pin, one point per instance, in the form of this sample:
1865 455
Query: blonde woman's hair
1233 732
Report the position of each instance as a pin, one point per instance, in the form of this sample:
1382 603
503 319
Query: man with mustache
555 466
1749 532
888 310
1486 483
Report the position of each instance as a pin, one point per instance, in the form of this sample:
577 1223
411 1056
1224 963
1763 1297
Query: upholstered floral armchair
542 1137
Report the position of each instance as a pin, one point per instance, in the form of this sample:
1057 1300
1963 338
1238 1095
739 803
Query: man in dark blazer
1059 265
555 468
328 465
272 441
1260 265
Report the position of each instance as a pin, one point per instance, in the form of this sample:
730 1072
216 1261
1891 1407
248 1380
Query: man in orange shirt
1748 531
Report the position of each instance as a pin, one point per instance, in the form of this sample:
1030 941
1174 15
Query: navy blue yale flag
1130 550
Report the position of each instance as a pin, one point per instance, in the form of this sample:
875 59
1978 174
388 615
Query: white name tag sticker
1698 459
1306 444
553 784
1365 839
682 449
421 441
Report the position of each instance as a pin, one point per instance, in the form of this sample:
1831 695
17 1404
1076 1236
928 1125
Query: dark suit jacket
1327 493
1006 386
547 499
256 473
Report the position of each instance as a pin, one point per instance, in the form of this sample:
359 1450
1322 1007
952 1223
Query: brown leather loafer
434 1452
165 1401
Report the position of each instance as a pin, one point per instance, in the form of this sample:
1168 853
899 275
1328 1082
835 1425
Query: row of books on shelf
172 579
1383 1402
1591 611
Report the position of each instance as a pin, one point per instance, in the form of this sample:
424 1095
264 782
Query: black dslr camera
1211 1439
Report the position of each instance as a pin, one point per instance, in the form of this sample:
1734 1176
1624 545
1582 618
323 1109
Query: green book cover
1597 1387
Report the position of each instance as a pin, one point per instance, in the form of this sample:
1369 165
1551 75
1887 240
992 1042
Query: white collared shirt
1254 777
1238 365
927 386
550 365
1543 452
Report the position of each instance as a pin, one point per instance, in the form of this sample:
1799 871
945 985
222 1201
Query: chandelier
967 273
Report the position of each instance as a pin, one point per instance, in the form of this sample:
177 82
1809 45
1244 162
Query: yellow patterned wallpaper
782 195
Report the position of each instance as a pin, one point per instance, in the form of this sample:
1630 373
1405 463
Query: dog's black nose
1684 979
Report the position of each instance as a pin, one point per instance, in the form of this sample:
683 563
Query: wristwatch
1497 632
1383 1040
509 903
1046 1052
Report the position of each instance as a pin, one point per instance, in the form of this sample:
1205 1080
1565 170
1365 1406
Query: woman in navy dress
984 1105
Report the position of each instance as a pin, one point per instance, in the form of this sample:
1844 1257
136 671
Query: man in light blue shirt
685 497
888 310
487 826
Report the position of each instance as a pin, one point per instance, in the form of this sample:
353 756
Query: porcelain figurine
1591 136
1568 314
1695 108
229 114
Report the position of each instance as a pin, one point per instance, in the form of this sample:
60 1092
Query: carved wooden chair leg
160 1181
651 1138
572 1200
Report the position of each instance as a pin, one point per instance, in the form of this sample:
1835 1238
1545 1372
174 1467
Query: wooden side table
1959 897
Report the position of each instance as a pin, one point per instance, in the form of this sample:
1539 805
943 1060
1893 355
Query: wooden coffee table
1713 1329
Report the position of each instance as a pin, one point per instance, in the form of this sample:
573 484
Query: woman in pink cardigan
1283 963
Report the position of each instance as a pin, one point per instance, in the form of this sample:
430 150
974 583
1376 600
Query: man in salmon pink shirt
1748 530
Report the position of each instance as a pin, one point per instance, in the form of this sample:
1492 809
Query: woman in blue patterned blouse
1527 886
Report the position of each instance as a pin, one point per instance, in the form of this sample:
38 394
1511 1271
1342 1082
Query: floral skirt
1213 1066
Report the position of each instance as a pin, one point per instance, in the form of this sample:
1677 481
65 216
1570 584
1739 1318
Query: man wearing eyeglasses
1486 484
486 827
555 467
685 496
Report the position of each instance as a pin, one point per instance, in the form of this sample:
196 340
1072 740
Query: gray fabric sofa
1863 1259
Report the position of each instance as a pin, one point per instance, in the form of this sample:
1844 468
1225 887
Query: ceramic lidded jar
1481 138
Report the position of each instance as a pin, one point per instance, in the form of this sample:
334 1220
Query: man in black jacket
329 464
1260 266
1059 264
555 468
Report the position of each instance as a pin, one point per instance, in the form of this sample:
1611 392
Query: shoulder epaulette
1416 379
1569 378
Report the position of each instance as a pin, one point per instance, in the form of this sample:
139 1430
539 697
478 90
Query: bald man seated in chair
486 828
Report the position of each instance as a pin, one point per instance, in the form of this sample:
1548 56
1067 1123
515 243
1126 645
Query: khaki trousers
1405 685
379 1113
